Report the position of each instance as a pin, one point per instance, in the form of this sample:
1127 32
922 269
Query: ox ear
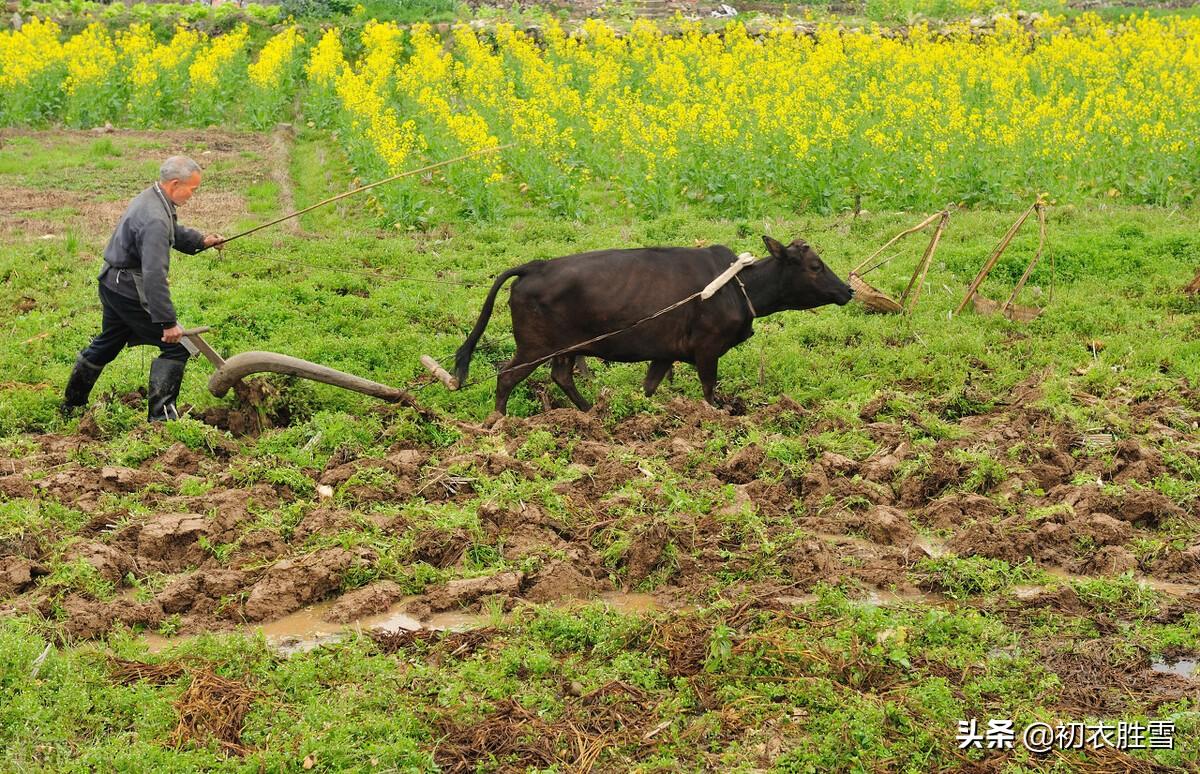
774 248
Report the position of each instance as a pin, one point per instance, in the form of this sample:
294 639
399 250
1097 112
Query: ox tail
462 358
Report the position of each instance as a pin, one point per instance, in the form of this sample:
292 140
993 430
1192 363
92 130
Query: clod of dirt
16 486
88 427
590 452
499 522
837 464
743 467
406 463
441 549
87 619
809 562
610 474
325 520
464 591
293 583
173 540
645 552
231 503
1105 530
1147 509
367 601
1110 560
1185 563
117 479
18 574
179 459
888 526
260 545
201 591
337 474
872 408
882 468
70 488
956 509
569 423
815 483
682 454
1052 467
1143 508
533 539
1135 462
770 499
414 457
259 407
988 540
560 580
110 563
637 428
919 489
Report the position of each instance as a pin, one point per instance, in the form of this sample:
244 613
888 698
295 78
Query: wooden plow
875 300
229 372
1010 309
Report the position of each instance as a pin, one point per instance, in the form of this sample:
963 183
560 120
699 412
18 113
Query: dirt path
281 155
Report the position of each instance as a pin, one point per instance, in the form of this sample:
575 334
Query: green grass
832 695
833 684
1119 290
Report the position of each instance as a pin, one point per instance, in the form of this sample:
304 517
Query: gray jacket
139 253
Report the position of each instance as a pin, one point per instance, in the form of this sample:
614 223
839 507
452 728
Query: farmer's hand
173 334
215 241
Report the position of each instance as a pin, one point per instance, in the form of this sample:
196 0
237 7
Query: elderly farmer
135 294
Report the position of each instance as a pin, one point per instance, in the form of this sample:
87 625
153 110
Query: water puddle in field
1184 667
307 629
1026 592
929 544
1168 587
935 547
876 597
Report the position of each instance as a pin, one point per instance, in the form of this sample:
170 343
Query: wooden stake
898 237
1041 211
442 374
918 277
995 256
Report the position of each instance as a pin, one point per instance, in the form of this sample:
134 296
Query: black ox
560 303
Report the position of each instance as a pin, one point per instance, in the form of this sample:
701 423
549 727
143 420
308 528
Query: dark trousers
126 323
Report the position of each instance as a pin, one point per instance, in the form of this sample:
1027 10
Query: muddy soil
212 562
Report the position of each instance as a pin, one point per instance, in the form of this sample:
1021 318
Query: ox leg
654 375
582 368
563 374
509 378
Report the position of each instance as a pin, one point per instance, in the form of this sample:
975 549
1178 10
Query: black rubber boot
79 385
166 377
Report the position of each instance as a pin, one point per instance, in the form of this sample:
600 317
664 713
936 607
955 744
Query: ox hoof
492 419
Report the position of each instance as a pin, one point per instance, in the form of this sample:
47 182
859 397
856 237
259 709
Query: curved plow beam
240 366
